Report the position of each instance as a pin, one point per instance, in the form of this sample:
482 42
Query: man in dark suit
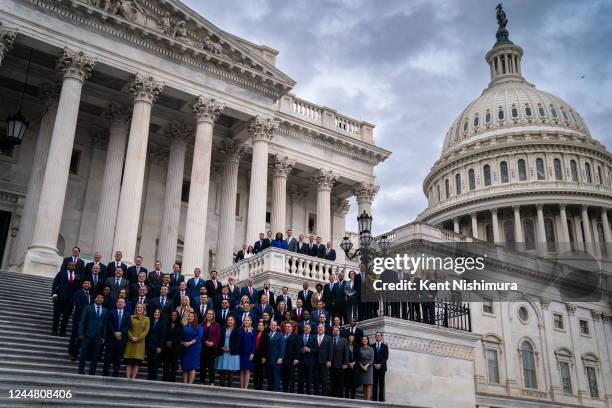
307 353
323 361
291 241
163 303
224 312
117 282
329 295
201 306
297 314
66 282
381 355
213 286
101 268
415 299
175 278
340 360
240 255
266 291
179 293
290 359
141 297
135 269
306 296
320 248
140 282
92 330
117 263
276 353
284 297
354 330
234 290
79 264
316 314
249 291
428 301
263 307
261 244
81 298
301 247
306 322
116 338
330 253
340 298
312 248
155 279
246 311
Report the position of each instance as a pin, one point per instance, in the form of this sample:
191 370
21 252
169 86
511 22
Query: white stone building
177 140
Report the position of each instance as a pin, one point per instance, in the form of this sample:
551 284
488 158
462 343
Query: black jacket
234 344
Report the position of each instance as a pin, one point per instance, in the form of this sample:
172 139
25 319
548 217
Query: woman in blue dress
192 346
279 242
228 360
247 351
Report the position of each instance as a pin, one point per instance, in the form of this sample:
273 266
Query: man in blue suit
92 330
81 298
66 282
194 284
307 353
290 359
323 360
276 353
116 337
262 243
249 291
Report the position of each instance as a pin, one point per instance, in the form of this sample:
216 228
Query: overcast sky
411 66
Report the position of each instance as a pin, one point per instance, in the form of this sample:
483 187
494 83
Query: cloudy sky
411 66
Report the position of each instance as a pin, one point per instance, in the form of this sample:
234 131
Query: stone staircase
30 358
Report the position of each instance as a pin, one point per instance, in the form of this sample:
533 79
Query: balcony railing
448 314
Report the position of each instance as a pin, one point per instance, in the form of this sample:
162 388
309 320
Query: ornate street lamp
16 125
384 243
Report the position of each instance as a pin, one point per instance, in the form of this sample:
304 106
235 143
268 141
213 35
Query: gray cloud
410 67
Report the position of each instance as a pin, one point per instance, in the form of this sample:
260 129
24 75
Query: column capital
207 109
74 64
145 88
282 166
233 150
544 302
49 93
116 113
365 191
585 207
493 211
158 154
473 214
99 138
562 206
325 179
178 133
262 128
343 206
516 208
455 219
7 38
539 207
571 308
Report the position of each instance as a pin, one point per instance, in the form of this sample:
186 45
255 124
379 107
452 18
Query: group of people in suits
313 247
125 315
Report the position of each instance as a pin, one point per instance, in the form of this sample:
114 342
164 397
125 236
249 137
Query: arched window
540 169
549 231
522 170
472 179
465 125
558 170
503 171
458 183
509 234
489 233
541 111
574 170
447 188
500 114
527 110
488 117
486 170
514 112
587 170
553 111
529 366
564 113
439 196
529 232
600 175
476 121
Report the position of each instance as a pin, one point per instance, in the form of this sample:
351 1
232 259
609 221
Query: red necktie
299 314
251 290
71 277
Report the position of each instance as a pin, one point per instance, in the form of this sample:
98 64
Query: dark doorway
5 225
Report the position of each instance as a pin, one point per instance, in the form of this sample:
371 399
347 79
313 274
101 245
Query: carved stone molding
7 38
233 150
341 206
157 154
75 65
544 303
324 179
439 348
207 109
116 113
282 166
145 88
262 128
178 133
49 93
365 192
571 308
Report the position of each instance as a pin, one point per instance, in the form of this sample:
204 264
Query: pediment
172 25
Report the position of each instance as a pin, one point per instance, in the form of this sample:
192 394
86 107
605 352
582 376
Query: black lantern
16 126
346 244
365 239
384 243
365 222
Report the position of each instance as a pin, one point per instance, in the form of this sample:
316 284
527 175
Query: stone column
365 192
606 229
206 111
261 131
340 209
541 245
586 226
281 167
495 222
474 225
42 257
565 239
111 181
7 38
325 180
298 212
177 135
456 226
233 152
518 228
50 96
145 91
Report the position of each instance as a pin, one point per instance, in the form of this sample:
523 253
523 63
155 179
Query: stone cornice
7 38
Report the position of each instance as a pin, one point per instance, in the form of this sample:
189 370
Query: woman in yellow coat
135 349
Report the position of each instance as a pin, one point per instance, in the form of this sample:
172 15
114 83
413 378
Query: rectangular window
584 327
185 191
566 380
492 366
487 305
237 205
312 223
592 377
75 162
558 321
